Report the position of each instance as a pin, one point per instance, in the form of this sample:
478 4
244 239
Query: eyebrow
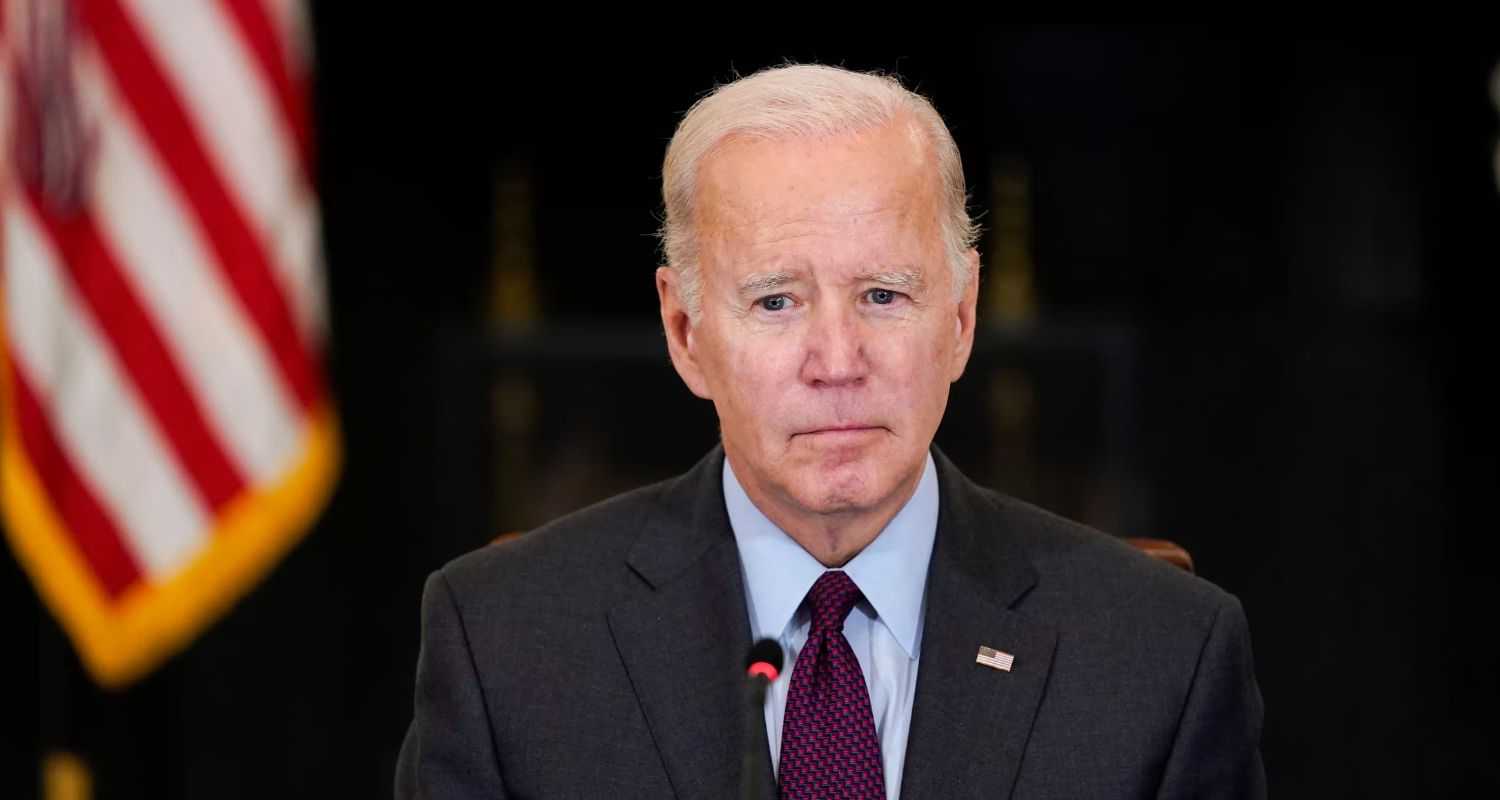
904 279
765 282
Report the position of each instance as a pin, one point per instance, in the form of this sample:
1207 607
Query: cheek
760 373
919 365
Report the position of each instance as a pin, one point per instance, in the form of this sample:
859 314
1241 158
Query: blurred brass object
1010 293
66 777
515 405
514 298
1012 400
1012 406
1495 99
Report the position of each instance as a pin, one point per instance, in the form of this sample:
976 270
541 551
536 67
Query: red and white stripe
163 339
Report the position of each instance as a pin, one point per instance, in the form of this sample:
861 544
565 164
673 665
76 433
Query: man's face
829 329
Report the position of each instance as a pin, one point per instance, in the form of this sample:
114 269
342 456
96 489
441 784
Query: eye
882 297
776 302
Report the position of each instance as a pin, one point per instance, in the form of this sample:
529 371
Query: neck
832 537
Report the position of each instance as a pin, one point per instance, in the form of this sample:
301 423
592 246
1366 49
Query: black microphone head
766 652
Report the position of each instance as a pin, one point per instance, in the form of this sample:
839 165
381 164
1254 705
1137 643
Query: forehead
873 189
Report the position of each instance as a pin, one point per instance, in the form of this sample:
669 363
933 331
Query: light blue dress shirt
885 630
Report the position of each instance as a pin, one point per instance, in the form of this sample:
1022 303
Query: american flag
995 659
167 434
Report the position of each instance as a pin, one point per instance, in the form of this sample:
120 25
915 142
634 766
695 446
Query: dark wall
1264 269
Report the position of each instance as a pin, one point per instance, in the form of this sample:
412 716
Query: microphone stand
762 666
751 778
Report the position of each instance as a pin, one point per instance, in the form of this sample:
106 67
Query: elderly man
942 640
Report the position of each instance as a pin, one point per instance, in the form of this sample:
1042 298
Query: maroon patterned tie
828 744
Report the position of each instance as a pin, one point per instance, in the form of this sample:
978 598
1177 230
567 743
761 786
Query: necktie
828 744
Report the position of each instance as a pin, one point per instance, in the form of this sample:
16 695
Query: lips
840 430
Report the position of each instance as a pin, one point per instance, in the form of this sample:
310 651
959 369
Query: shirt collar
891 571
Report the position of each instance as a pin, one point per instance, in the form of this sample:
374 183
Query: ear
679 328
964 317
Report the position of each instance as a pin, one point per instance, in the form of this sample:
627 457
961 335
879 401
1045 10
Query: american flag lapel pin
995 659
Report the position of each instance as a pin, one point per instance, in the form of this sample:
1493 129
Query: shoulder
1148 668
1087 577
1133 632
569 560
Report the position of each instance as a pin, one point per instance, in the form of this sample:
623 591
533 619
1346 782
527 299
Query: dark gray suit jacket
599 657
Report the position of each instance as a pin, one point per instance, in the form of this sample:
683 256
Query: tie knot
831 599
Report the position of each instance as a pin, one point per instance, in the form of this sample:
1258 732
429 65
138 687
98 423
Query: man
942 640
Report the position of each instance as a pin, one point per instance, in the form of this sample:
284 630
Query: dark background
1264 274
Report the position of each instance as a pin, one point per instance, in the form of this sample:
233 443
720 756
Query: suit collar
972 541
970 723
688 520
891 572
682 633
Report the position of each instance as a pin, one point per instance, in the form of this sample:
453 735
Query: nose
835 349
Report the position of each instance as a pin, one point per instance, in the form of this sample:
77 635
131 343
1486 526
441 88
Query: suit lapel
683 634
970 722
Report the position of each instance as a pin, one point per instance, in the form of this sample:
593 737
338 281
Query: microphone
762 665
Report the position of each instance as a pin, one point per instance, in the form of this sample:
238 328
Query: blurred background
1238 292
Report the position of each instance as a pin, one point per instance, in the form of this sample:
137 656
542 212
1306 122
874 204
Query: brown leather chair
1167 551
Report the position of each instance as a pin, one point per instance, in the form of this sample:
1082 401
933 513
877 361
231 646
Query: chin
841 488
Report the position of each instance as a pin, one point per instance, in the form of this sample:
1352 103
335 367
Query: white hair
802 101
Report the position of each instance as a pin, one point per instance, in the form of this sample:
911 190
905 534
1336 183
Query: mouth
841 431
